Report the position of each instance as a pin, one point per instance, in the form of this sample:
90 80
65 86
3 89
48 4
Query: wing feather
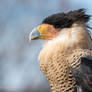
83 74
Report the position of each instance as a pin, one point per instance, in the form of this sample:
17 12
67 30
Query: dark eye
48 29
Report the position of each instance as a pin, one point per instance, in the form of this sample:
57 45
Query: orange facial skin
47 31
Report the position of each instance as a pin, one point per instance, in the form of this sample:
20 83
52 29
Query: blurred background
19 66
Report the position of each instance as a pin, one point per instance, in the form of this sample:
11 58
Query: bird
66 57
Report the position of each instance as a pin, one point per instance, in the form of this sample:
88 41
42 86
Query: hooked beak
34 34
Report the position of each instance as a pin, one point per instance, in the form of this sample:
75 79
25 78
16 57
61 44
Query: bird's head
52 25
44 31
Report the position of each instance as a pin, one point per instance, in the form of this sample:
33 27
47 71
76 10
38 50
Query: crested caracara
66 58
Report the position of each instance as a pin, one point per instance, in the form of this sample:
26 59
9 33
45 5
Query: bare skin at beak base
34 34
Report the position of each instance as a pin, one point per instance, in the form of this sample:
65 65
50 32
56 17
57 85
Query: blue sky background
19 68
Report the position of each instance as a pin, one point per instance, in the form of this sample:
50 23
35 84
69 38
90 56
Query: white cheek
62 36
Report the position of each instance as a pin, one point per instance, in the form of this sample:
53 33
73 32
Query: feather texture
63 71
66 60
65 20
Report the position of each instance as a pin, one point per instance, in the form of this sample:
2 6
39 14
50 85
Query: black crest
65 20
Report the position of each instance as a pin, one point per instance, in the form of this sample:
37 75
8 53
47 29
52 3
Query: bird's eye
48 28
